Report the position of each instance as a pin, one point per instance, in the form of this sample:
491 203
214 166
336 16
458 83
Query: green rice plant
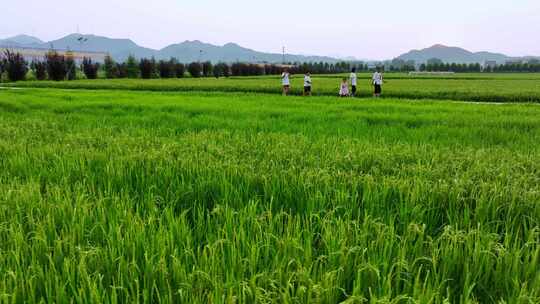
126 196
480 88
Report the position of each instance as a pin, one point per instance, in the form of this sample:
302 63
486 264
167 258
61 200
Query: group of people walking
344 90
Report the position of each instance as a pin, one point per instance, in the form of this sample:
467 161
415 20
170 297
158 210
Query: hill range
189 51
458 55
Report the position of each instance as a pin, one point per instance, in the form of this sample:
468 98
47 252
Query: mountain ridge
187 51
196 50
449 54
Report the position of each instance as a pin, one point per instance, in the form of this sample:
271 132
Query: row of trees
477 68
58 67
532 66
147 68
451 67
54 67
14 65
150 68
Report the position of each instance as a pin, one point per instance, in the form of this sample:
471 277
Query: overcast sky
372 29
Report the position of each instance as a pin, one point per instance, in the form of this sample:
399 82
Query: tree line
531 67
58 67
451 67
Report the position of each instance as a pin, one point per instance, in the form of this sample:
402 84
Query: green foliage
218 70
39 68
247 69
15 66
126 197
121 70
110 68
532 66
147 68
207 69
221 70
89 68
166 68
71 68
460 87
224 69
195 69
132 67
56 66
179 70
3 65
434 61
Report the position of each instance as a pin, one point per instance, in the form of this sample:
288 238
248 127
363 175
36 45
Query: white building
31 54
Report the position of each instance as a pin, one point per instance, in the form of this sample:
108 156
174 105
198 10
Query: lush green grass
122 196
470 87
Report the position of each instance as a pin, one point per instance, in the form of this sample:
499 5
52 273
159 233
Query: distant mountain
21 40
186 51
119 49
453 54
189 51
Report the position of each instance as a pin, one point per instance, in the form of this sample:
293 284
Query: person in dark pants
353 79
285 82
377 83
307 84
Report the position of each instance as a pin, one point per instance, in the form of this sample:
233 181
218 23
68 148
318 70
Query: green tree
71 68
195 69
109 67
434 62
56 66
121 70
179 70
132 67
89 68
39 68
165 69
147 68
207 68
15 66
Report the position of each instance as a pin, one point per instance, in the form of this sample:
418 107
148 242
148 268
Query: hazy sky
374 29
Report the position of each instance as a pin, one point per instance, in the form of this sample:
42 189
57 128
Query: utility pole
283 59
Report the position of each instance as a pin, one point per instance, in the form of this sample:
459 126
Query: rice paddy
119 195
468 87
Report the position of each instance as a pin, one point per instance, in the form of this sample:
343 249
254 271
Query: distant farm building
38 54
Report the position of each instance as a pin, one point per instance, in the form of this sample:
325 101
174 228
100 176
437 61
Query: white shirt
285 79
377 78
307 81
353 79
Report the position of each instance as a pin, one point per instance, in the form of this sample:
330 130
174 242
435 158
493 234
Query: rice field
469 87
117 195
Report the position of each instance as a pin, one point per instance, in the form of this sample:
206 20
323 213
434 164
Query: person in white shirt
353 79
285 82
377 83
307 84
